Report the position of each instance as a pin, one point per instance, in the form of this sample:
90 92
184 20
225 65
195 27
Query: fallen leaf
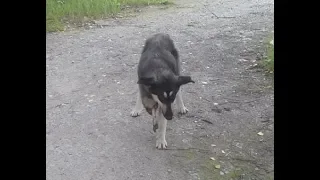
271 42
212 158
223 151
260 133
213 145
217 166
203 82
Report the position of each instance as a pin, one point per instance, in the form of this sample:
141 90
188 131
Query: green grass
58 11
268 62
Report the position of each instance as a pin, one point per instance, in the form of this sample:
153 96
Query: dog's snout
168 114
168 117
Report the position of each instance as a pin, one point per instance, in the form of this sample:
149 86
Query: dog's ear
146 81
184 80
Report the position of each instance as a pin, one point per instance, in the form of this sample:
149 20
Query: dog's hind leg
161 142
181 108
136 111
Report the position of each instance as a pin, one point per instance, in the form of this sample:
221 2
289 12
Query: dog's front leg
155 114
182 109
161 142
136 111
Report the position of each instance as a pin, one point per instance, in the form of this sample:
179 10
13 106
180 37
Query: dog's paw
183 110
161 143
135 113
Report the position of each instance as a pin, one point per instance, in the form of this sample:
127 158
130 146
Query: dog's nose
168 113
168 117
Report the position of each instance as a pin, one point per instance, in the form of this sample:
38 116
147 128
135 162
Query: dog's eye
165 94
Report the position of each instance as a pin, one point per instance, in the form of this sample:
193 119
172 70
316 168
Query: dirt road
91 87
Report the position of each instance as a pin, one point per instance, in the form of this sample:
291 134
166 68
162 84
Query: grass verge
59 11
268 62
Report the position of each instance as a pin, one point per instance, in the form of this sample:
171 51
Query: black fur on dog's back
159 53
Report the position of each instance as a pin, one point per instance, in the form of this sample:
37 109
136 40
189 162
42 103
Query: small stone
217 110
169 170
217 166
221 173
227 109
223 151
213 145
216 104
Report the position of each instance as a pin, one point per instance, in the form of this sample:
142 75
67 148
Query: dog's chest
148 102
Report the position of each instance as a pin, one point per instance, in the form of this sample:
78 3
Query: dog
159 83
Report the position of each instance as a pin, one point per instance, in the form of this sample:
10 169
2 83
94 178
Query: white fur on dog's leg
181 108
161 142
136 111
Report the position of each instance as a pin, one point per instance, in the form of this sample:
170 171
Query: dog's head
164 90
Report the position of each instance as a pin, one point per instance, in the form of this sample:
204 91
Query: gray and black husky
159 83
